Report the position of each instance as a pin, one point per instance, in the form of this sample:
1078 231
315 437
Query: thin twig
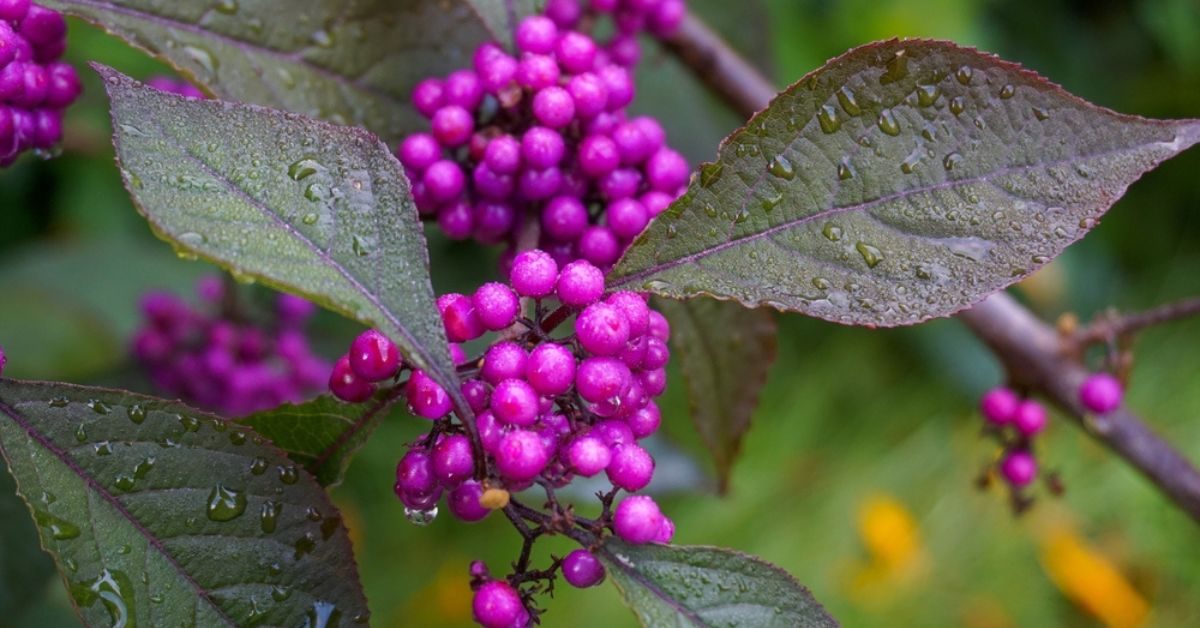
1108 327
1030 349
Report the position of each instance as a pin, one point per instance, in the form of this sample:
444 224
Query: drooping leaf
323 434
902 181
347 62
307 206
672 585
25 569
159 515
724 352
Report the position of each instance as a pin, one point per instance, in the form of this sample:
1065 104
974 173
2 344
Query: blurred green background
858 476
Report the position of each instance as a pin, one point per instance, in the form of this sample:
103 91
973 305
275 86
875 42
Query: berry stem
1110 326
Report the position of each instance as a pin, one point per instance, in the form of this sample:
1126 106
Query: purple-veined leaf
157 514
902 181
725 352
307 206
678 585
347 62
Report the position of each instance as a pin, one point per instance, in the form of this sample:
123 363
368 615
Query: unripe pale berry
1101 393
581 569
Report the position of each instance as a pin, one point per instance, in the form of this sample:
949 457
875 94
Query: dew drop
225 504
820 283
964 74
237 438
672 230
1041 114
258 466
280 593
771 201
1008 91
910 163
887 123
143 468
59 402
844 171
927 95
832 232
420 518
848 102
958 104
203 58
228 7
781 167
60 529
870 254
360 246
322 38
304 545
124 482
951 161
268 516
288 474
103 448
710 210
827 117
303 168
137 414
190 423
897 68
309 219
710 173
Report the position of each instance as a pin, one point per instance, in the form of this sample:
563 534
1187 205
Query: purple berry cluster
549 407
542 139
1014 422
176 86
217 358
35 86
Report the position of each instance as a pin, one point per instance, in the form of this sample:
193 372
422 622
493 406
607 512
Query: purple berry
490 431
637 519
619 84
346 385
645 421
665 19
631 468
374 357
598 156
521 455
564 218
666 531
599 246
657 354
464 502
602 329
537 71
452 126
504 360
444 181
1030 417
580 284
426 398
503 154
659 327
496 305
415 474
478 395
493 221
551 369
654 381
626 218
565 13
1019 468
624 50
602 378
419 151
999 405
459 318
620 184
64 85
542 147
491 185
588 455
497 605
536 185
3 360
537 34
457 220
576 52
453 460
553 107
590 95
43 27
582 570
667 170
464 89
1101 393
534 274
428 97
515 402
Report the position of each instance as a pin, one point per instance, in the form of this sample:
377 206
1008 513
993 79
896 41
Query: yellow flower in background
445 601
1089 580
892 541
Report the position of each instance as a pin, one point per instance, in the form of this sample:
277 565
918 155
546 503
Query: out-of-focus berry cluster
176 86
543 136
228 361
549 406
35 86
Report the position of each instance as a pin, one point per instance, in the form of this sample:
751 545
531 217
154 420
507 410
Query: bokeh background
859 473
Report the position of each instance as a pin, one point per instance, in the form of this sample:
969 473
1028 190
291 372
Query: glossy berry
588 455
582 570
602 329
346 385
631 468
534 274
551 369
521 455
999 405
637 519
414 473
1030 417
3 360
504 360
459 318
580 283
453 460
463 502
602 378
1101 393
1019 468
515 402
496 306
666 531
426 398
645 421
374 357
497 605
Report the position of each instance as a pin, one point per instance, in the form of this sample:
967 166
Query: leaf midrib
866 205
100 490
653 588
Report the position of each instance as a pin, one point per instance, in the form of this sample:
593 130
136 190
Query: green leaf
323 434
672 585
159 515
306 206
902 181
725 352
347 62
25 569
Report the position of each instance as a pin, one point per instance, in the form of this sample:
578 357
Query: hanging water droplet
81 433
103 448
832 232
827 117
280 593
964 74
781 167
1008 91
887 123
304 545
910 163
258 466
848 102
420 518
225 504
124 482
189 423
870 254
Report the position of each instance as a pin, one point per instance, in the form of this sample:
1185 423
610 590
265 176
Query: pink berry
602 378
459 318
582 570
496 305
348 386
631 468
602 329
452 126
1101 393
374 357
537 34
999 405
580 284
453 460
551 369
1019 468
426 398
521 455
504 360
497 605
427 97
588 455
515 402
1030 417
463 502
637 519
534 273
